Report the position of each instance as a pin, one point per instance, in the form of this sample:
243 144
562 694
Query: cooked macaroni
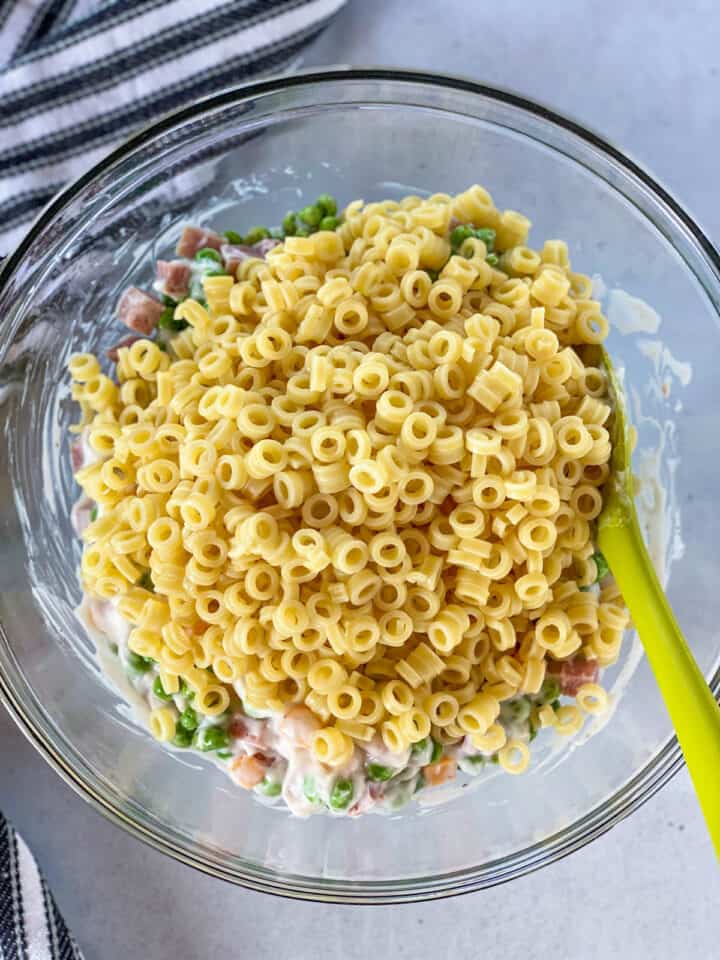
344 503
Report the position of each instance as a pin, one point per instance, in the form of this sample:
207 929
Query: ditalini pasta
338 513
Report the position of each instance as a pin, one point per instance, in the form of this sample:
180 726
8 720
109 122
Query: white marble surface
646 75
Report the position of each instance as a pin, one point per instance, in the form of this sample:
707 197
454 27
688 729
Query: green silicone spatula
689 701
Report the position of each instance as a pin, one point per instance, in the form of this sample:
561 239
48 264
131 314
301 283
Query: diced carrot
249 771
440 772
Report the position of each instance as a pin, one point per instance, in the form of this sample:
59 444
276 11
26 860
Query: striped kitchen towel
31 927
79 76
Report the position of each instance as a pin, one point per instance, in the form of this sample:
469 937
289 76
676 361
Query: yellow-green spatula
689 701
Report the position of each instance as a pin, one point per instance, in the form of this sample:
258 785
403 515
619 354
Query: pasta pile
364 479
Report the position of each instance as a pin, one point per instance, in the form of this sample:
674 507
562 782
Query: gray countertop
646 75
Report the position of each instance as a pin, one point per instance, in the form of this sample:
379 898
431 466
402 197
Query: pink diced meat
233 254
248 730
139 311
299 725
193 239
174 277
263 247
112 353
76 455
572 674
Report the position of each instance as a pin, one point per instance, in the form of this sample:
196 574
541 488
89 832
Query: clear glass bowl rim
664 765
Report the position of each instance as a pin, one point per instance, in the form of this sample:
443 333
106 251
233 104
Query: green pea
167 320
277 233
169 301
459 235
312 215
216 272
310 789
289 223
329 223
420 746
207 253
602 566
188 719
302 230
256 234
211 738
146 582
232 236
186 691
183 737
437 752
516 709
166 317
159 690
492 259
487 235
341 794
327 203
137 663
225 754
556 704
94 514
550 690
269 788
378 773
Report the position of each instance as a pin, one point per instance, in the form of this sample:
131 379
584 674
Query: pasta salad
339 499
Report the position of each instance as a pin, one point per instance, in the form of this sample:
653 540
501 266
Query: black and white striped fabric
78 76
31 927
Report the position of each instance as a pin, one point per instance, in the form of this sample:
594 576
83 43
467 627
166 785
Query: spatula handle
694 712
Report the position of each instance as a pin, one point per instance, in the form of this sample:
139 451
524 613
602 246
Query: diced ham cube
572 674
299 725
263 247
365 803
139 311
376 790
249 731
112 353
76 455
193 239
174 277
249 771
233 254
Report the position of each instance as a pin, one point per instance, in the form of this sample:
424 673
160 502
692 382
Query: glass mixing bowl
246 156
